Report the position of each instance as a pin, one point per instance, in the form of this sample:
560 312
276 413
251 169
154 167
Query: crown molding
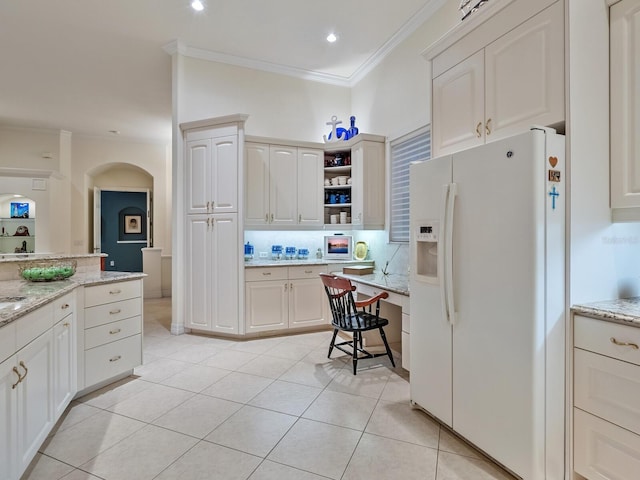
178 46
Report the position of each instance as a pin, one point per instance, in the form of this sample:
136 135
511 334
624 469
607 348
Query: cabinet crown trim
212 122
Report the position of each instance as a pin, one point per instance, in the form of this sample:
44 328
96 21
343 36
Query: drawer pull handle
116 358
623 344
66 324
114 312
266 273
308 271
15 370
65 306
115 292
478 133
114 331
25 370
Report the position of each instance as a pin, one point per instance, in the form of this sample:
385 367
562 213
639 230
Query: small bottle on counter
319 253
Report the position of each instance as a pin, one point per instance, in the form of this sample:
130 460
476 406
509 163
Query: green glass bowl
47 271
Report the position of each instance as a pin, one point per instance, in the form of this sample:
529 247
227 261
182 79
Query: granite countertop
38 294
624 310
267 262
393 282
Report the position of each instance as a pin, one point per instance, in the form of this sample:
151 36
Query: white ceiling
90 66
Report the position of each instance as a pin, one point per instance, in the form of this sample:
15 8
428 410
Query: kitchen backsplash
380 250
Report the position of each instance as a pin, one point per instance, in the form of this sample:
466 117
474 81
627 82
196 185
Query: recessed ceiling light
331 38
197 5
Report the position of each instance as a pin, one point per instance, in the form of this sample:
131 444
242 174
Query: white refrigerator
487 283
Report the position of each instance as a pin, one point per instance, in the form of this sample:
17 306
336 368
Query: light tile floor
273 408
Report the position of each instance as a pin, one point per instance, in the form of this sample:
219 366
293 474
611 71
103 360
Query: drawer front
103 334
311 271
599 336
33 325
63 306
111 292
607 388
112 359
266 273
8 341
112 312
603 451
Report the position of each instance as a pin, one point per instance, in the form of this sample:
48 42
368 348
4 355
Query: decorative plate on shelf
360 252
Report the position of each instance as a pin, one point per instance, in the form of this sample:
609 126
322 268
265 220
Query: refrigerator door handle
442 248
451 203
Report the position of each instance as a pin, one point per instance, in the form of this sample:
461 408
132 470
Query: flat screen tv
338 247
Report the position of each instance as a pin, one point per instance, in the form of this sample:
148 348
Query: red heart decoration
553 161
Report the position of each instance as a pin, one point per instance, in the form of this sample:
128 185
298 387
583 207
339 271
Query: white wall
395 97
23 148
604 258
278 106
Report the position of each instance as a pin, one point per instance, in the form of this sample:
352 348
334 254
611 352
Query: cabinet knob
65 306
488 126
271 218
478 132
266 218
286 287
66 324
116 358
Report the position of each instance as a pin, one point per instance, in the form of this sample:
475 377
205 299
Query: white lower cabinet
64 352
8 419
280 298
606 386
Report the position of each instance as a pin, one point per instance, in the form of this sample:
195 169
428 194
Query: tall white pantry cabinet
213 232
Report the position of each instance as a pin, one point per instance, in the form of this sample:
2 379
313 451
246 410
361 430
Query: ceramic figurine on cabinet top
339 133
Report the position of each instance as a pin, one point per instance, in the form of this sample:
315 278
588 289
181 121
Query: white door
267 307
498 287
224 174
458 107
198 285
224 273
306 302
198 164
533 92
35 397
64 363
8 416
310 187
256 184
283 191
430 338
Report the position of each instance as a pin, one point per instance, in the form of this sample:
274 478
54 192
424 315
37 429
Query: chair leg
356 336
386 345
333 340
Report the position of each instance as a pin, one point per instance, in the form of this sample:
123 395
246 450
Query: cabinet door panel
8 415
224 161
198 255
306 303
520 93
266 305
224 272
198 160
283 162
458 107
256 184
625 104
35 397
64 385
310 187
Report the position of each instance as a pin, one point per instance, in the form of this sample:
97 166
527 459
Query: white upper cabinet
625 109
212 174
514 82
283 185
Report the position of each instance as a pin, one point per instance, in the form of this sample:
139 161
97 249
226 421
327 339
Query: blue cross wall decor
553 194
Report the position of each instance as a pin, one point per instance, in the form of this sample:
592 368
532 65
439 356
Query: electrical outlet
263 254
112 263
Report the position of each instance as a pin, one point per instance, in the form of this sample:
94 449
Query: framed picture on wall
133 224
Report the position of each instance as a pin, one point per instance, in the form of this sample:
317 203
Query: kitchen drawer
33 325
265 273
112 312
598 336
8 341
310 271
603 451
112 359
63 306
111 292
110 332
607 388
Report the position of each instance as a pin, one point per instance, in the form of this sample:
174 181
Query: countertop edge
624 311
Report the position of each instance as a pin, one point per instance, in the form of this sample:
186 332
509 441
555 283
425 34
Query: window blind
413 147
